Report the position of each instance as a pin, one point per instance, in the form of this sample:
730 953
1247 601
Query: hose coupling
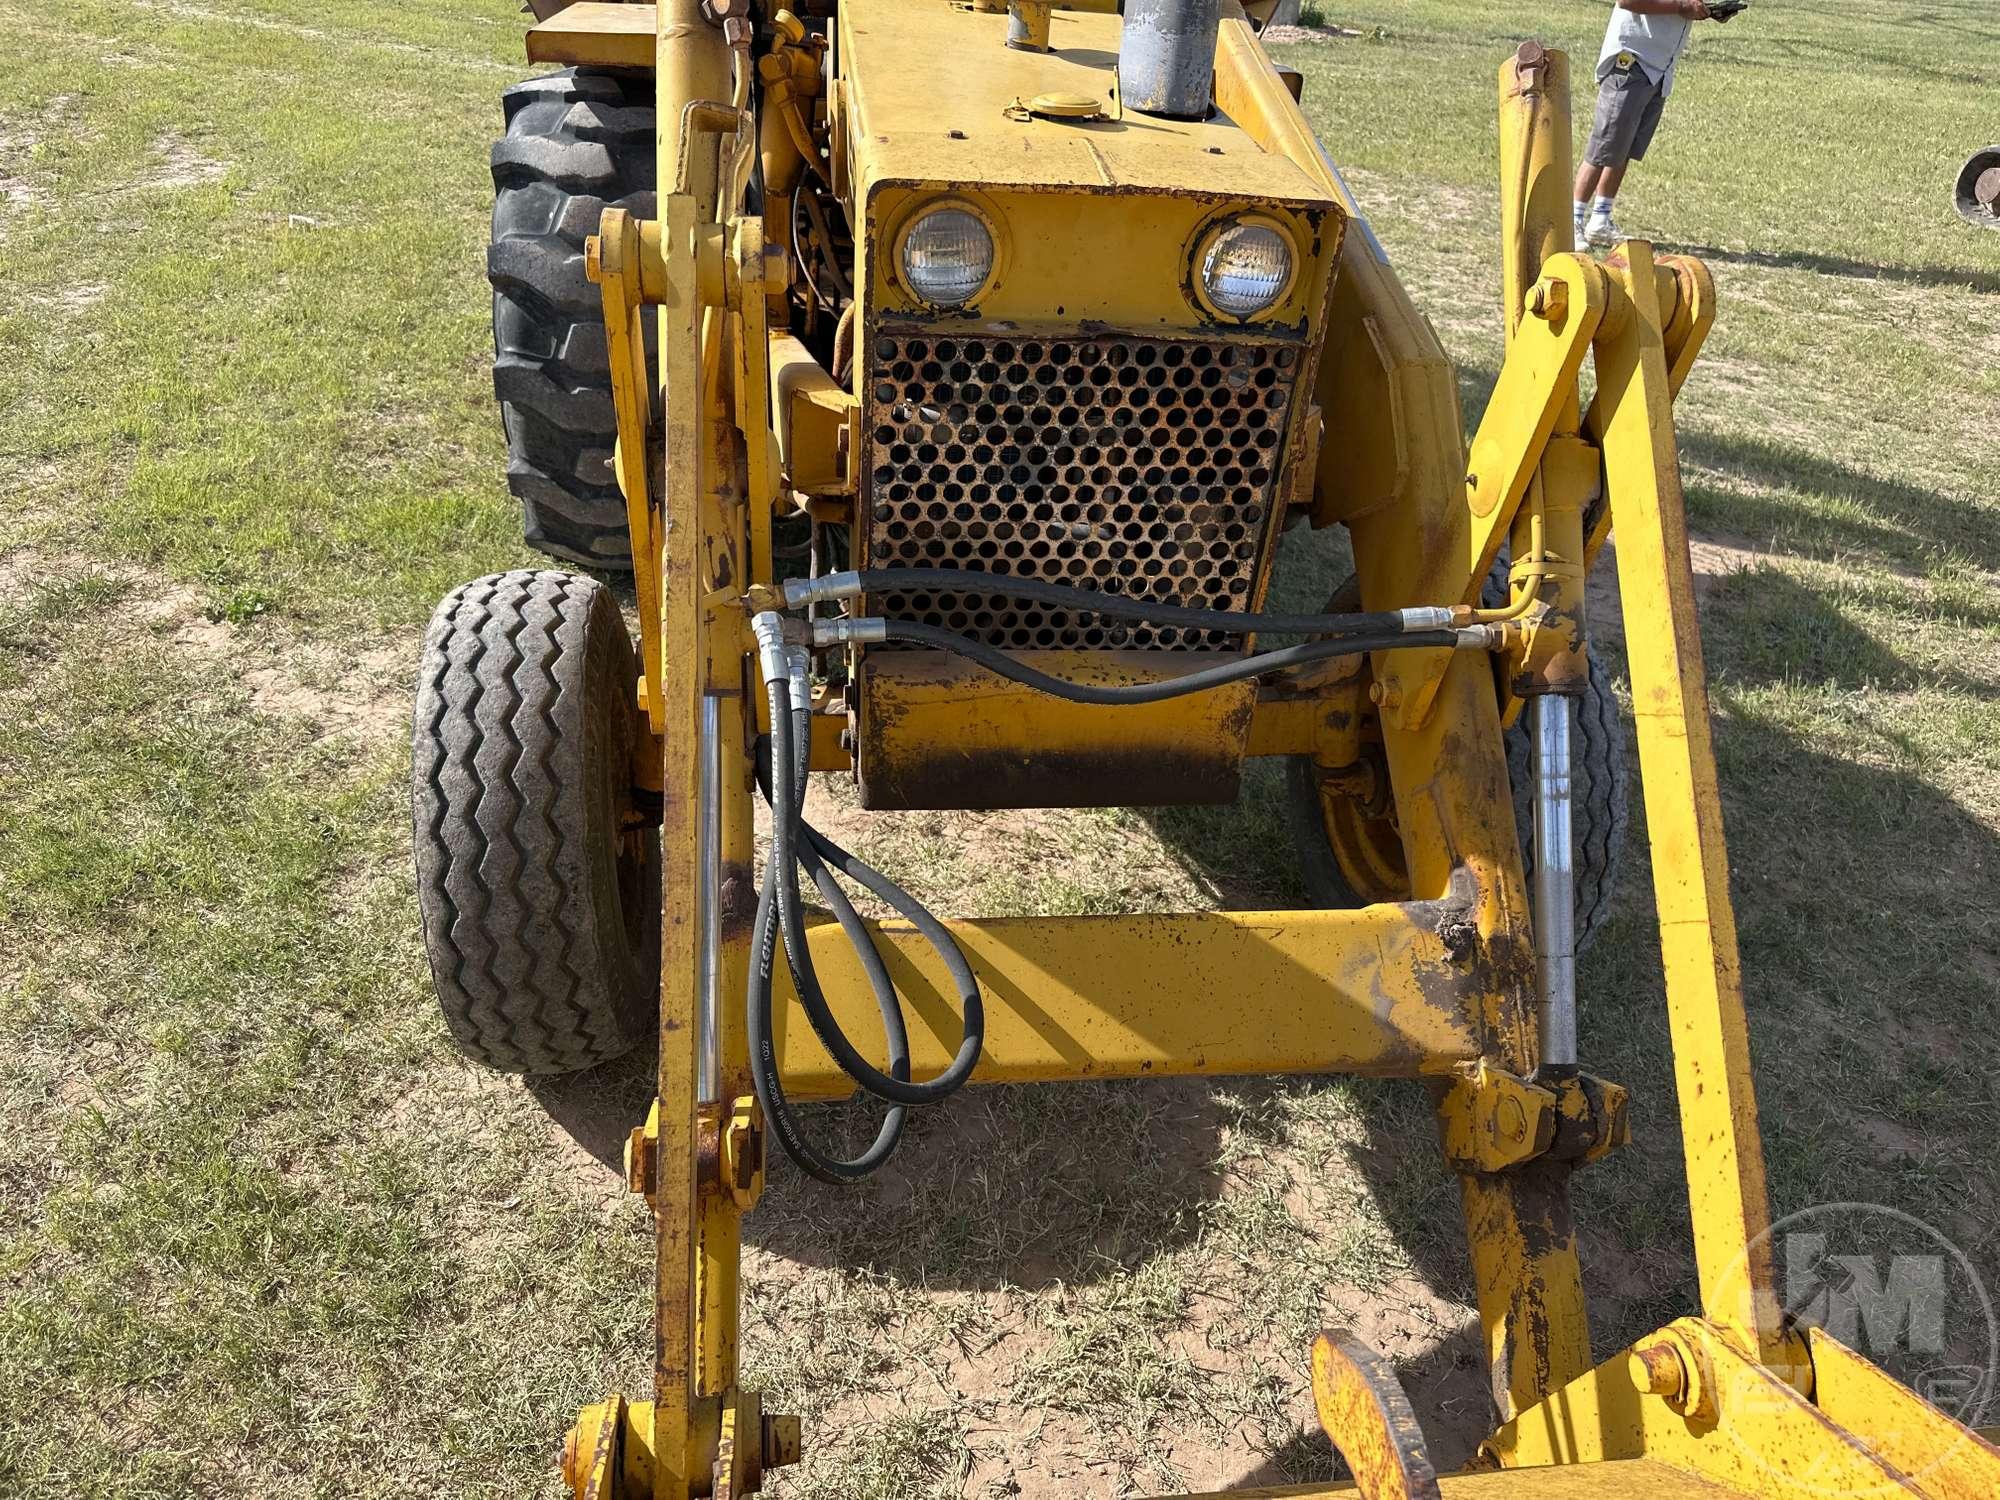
799 592
1429 617
849 632
798 667
768 626
1481 637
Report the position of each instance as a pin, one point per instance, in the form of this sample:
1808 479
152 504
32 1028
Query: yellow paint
596 34
1725 1159
1100 219
1749 1431
931 719
1367 991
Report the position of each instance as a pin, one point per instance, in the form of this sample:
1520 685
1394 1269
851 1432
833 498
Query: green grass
260 1232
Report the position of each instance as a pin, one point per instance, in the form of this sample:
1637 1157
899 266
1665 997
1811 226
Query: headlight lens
947 256
1246 268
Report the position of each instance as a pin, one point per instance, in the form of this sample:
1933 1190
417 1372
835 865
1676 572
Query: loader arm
1456 985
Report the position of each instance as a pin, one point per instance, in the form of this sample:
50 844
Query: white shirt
1656 41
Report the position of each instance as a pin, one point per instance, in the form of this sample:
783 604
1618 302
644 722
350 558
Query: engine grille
1140 466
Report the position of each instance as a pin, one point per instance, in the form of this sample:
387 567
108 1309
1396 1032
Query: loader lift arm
1704 1405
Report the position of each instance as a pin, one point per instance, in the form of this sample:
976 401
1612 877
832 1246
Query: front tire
538 886
577 142
1350 853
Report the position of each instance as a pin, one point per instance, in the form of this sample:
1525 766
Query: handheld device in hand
1722 10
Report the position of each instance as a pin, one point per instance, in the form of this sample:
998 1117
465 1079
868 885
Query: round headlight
947 256
1245 268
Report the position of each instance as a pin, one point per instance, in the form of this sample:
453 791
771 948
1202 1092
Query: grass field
263 1234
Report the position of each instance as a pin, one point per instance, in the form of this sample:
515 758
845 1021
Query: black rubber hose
1257 664
792 928
1091 601
793 840
765 1077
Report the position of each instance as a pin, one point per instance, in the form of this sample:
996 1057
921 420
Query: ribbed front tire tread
521 748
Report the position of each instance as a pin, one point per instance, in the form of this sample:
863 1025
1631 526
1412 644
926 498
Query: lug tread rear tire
523 725
577 142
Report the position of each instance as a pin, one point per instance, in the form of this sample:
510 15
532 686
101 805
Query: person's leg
1604 153
1586 185
1623 130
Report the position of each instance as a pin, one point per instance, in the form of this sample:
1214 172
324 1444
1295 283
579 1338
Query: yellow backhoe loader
948 375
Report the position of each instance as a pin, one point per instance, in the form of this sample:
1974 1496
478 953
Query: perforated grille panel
1140 466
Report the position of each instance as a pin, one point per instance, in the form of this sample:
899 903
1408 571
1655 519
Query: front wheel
537 877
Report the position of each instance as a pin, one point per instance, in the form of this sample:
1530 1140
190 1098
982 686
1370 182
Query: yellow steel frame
1436 986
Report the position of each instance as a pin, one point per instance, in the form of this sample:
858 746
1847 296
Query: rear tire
577 142
539 892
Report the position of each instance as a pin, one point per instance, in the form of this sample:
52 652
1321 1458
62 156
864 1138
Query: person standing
1635 73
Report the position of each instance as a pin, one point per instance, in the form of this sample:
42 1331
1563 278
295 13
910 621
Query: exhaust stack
1166 57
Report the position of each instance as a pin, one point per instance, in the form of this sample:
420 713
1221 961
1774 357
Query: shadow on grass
1868 948
599 1107
1892 518
1783 630
1836 265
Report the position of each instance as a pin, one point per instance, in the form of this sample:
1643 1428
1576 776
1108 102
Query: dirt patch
19 136
358 696
340 38
1286 36
181 165
1891 1139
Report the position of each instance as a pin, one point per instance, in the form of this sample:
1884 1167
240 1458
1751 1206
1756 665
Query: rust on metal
1142 466
940 732
739 898
1489 1120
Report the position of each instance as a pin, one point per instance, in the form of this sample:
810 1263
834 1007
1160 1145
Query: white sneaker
1602 232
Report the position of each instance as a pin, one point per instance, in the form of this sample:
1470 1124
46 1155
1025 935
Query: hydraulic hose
802 591
794 842
765 1077
1257 664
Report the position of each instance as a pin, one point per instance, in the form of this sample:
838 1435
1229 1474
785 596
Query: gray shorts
1628 112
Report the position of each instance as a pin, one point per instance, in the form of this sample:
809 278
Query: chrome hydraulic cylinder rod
1555 880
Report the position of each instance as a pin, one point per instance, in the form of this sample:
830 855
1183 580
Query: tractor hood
1096 221
932 94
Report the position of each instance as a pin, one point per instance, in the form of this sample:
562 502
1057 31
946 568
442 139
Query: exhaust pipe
1166 57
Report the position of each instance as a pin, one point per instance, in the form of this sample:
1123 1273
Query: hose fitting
799 592
865 631
769 629
1428 617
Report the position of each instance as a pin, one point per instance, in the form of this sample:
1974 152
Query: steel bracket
1489 1120
1551 340
1367 1418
